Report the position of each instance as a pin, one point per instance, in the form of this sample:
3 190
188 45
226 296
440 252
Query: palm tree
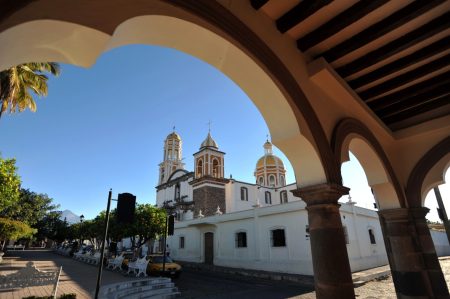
16 83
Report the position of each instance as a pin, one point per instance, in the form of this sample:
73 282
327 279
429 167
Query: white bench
30 276
15 247
138 265
116 262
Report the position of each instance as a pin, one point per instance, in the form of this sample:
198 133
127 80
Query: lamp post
81 223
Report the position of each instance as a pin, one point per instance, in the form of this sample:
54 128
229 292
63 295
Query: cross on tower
209 126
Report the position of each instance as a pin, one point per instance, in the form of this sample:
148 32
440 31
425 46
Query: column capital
321 194
419 213
398 214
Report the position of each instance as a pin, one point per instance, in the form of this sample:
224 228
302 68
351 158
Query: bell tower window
200 168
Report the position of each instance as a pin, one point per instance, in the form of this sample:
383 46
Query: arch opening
66 42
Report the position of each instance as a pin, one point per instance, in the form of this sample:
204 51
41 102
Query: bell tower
209 183
172 157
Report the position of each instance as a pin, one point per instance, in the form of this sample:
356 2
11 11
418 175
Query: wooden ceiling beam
299 13
388 24
410 91
406 77
428 30
424 53
257 4
357 11
414 111
414 101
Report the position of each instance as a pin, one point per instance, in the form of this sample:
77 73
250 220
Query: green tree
17 82
13 230
149 222
31 207
9 185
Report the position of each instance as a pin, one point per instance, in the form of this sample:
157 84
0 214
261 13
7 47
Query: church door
209 248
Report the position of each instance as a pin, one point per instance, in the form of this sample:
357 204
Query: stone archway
208 31
352 135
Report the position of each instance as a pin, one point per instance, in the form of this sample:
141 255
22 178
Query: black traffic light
126 203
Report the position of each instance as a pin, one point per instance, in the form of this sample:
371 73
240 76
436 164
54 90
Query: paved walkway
76 276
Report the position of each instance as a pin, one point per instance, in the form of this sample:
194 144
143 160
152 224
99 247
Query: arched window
277 238
215 168
177 192
272 180
282 181
241 239
199 168
244 194
268 198
169 155
283 197
261 180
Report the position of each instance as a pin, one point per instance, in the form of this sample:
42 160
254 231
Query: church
260 225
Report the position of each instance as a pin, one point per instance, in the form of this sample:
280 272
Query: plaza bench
139 265
116 262
15 247
30 276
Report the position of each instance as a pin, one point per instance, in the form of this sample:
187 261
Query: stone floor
76 277
383 288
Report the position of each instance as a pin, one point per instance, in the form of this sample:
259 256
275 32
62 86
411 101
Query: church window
347 241
215 168
176 154
268 197
200 168
283 197
181 242
261 180
282 182
241 239
272 180
244 194
170 154
278 238
177 192
372 237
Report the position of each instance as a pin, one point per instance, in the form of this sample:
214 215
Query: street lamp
81 223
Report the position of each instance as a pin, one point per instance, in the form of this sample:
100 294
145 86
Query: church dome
209 142
173 135
270 171
269 160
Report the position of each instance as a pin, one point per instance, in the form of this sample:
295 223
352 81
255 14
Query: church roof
209 142
269 160
173 135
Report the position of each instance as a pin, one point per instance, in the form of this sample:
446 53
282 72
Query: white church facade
259 226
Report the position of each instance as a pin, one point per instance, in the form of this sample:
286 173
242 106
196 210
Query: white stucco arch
374 169
435 177
50 40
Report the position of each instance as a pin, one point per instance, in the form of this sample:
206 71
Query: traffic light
170 225
126 203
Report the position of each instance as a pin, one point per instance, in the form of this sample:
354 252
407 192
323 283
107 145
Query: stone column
332 275
415 268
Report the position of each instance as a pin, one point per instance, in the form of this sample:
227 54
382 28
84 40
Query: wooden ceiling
394 54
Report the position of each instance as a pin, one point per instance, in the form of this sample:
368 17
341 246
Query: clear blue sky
104 127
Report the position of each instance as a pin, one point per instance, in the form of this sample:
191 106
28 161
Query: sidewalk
76 277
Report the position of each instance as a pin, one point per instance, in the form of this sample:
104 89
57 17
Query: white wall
440 241
259 254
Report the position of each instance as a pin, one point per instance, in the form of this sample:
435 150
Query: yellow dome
173 135
269 160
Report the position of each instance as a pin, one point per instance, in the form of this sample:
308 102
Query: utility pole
105 235
442 213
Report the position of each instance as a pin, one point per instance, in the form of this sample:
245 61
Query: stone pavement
76 276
